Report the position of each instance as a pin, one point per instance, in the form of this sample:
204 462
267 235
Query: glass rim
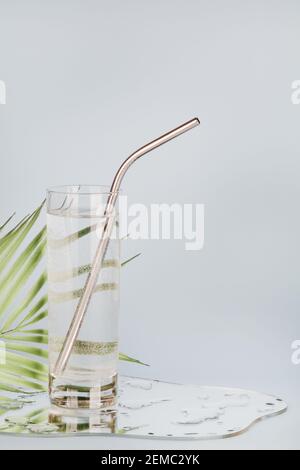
82 189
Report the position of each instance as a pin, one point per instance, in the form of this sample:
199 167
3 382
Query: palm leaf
35 319
124 357
27 362
10 243
24 274
29 297
26 348
23 258
7 221
10 378
23 304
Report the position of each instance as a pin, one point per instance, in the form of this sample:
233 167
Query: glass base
101 396
147 409
79 420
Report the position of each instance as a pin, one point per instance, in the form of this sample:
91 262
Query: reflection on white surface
147 408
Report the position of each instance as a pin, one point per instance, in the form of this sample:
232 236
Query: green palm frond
23 305
25 365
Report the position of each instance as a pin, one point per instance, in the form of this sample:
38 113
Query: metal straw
102 247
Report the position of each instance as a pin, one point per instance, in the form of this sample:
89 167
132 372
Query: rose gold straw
102 247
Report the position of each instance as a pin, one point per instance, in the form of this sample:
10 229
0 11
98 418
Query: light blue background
88 82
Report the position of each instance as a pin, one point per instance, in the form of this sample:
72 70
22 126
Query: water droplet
26 402
141 384
266 409
197 416
138 404
42 428
30 394
232 401
203 396
17 420
130 428
11 405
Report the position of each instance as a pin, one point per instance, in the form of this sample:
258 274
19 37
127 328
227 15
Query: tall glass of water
75 219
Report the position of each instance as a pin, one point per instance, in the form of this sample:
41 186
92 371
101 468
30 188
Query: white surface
279 432
268 434
88 82
152 408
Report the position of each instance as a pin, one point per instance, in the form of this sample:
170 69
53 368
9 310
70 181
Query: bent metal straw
102 247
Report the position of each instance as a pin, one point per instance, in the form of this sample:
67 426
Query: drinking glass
75 219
